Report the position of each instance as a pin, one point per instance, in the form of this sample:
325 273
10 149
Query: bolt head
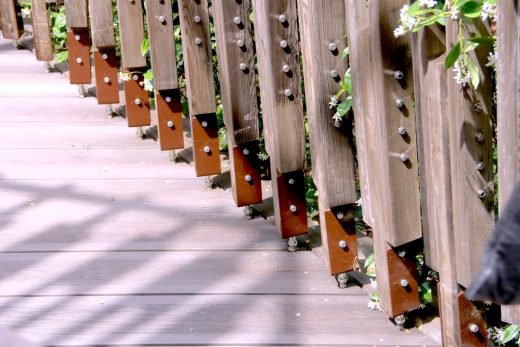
77 37
334 73
241 43
284 44
170 124
337 123
404 157
162 19
135 77
79 61
401 131
237 20
479 137
290 181
106 80
197 19
243 66
340 215
204 124
481 193
399 103
247 178
245 151
342 244
473 328
207 149
477 107
401 254
282 18
480 166
293 208
398 75
286 68
198 41
287 92
137 101
333 47
400 320
104 56
404 283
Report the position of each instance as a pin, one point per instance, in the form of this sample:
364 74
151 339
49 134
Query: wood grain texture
41 31
198 60
473 217
101 23
76 14
10 21
131 29
162 45
508 114
237 86
282 115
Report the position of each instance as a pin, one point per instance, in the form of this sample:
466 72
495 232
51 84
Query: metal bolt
247 178
292 244
398 75
473 328
332 47
286 68
337 123
79 61
207 149
287 92
479 137
400 320
284 43
170 124
399 103
333 73
198 41
204 124
404 157
162 19
197 19
77 37
243 66
237 20
401 131
401 254
293 208
290 181
168 99
343 280
477 107
342 244
104 56
404 283
282 18
137 101
135 77
245 151
480 166
340 215
240 43
481 193
106 79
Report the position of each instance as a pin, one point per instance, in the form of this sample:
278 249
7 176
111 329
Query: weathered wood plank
508 132
41 31
162 45
11 22
131 29
76 14
101 23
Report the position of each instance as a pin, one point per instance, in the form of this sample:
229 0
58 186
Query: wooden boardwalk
103 242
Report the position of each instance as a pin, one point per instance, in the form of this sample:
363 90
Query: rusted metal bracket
472 324
341 238
107 85
137 101
169 119
78 45
244 176
404 289
206 151
292 205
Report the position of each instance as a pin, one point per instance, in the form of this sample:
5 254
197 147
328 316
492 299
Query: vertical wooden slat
42 34
508 115
238 89
131 29
77 15
12 26
200 85
323 24
281 101
102 23
393 184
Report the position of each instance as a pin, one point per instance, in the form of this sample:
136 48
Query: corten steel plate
107 92
342 259
291 191
204 131
137 101
406 298
247 185
80 71
168 104
468 315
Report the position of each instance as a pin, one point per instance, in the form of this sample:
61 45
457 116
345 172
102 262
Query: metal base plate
137 113
245 179
340 227
204 131
403 298
107 84
80 70
291 192
168 104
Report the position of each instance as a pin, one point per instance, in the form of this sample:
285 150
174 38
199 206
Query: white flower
337 117
407 20
333 101
454 12
427 3
462 75
124 76
399 31
148 85
263 156
489 11
492 60
373 305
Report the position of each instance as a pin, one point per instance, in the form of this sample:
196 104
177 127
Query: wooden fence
422 150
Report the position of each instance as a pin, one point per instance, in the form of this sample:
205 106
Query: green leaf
510 333
453 55
145 46
344 107
473 71
471 9
486 40
61 56
468 47
374 296
345 53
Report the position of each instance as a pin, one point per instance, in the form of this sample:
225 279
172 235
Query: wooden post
281 101
12 24
105 61
162 51
200 85
131 28
508 32
239 101
383 106
42 34
78 41
76 14
323 26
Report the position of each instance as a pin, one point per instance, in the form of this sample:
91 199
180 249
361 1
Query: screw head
79 61
293 208
104 56
401 131
404 157
333 73
207 149
170 124
290 181
340 215
168 99
398 75
135 77
473 328
333 47
198 41
404 283
481 193
77 37
284 44
479 137
401 254
106 80
245 151
237 20
399 103
342 244
480 166
287 92
162 19
337 123
137 101
282 18
243 66
204 124
240 43
247 178
400 320
477 107
197 19
286 68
